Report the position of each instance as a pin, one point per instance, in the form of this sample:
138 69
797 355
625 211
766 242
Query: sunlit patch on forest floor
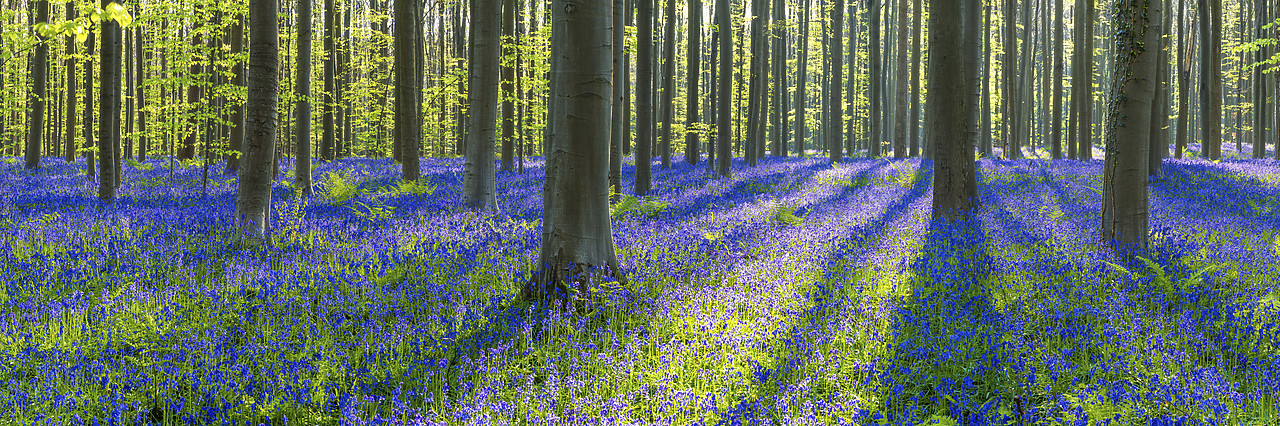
792 293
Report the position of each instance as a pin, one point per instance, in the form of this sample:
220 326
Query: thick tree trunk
302 102
408 87
479 187
835 125
1009 67
1260 85
726 86
330 87
36 98
577 237
644 97
253 195
1133 83
954 177
779 97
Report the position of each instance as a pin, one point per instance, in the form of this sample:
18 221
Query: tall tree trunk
1260 84
755 94
712 105
835 124
694 57
726 86
984 138
302 96
1084 86
876 81
72 94
913 123
802 77
330 87
486 26
1056 124
193 97
87 122
900 133
779 98
253 195
972 25
1275 97
508 77
109 108
1133 81
1184 80
408 86
140 96
1211 78
620 120
36 99
1159 148
668 82
577 237
1010 68
954 177
644 97
237 112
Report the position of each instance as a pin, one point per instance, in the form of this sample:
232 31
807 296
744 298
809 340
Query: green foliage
408 187
140 166
629 204
785 214
1173 290
373 211
339 187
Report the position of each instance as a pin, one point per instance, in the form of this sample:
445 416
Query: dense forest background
183 84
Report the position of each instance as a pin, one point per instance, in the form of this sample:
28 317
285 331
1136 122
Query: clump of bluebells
396 306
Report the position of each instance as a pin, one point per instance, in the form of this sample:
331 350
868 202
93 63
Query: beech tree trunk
253 195
835 125
723 154
1055 132
802 77
954 177
109 108
876 80
694 57
508 90
900 134
479 186
408 86
1083 84
1133 80
1211 78
577 237
72 94
621 122
330 87
668 82
39 88
644 97
302 102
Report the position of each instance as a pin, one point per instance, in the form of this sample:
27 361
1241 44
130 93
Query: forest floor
795 292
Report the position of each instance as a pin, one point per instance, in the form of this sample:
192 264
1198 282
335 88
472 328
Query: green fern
339 188
786 215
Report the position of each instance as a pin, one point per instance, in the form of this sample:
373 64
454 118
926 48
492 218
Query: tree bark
835 124
302 102
644 97
1084 87
900 134
253 196
723 168
1184 80
972 24
36 99
668 82
109 109
87 129
1260 84
408 87
802 77
330 87
1159 148
140 97
479 185
72 94
1133 80
620 120
876 80
954 177
913 123
779 97
693 55
1211 78
577 236
1056 124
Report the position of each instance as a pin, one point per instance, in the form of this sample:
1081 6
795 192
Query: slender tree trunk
726 86
87 130
1159 148
835 125
1056 93
668 82
1134 77
237 112
577 237
802 83
302 96
876 81
330 64
479 186
1211 78
36 98
408 86
1084 54
1184 80
779 98
109 109
254 188
72 95
694 57
972 22
620 120
984 138
1275 97
644 97
954 177
712 105
508 76
144 144
1260 84
913 123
